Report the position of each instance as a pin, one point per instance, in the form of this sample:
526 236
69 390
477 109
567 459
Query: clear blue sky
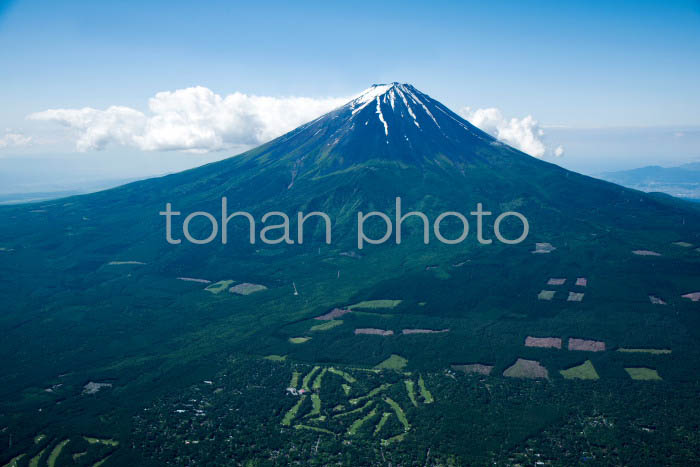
577 64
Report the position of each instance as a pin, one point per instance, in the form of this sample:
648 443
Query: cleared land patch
586 345
34 461
120 263
327 325
546 295
374 331
645 253
526 369
656 300
575 297
395 362
55 452
246 288
291 413
683 244
333 314
543 342
424 392
543 247
649 351
478 368
424 331
581 282
307 379
586 370
299 340
399 413
411 390
313 428
371 394
556 281
357 424
276 358
346 376
382 421
373 304
695 296
192 279
218 287
105 441
643 374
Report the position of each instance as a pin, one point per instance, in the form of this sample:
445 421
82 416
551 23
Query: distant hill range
682 181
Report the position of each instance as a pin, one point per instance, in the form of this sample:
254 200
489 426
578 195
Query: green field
643 374
326 325
395 362
375 304
649 351
586 370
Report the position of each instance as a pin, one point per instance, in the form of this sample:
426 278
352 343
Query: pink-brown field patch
556 281
575 297
581 281
543 342
424 331
478 368
695 296
586 345
333 314
645 253
374 331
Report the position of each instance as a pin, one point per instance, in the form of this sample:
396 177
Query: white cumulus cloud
10 139
521 133
193 119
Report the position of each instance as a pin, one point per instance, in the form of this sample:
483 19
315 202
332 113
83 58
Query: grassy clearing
395 362
382 421
218 287
78 455
51 462
586 370
371 394
313 428
411 389
34 461
393 439
357 424
427 396
357 410
291 413
318 381
347 377
299 340
316 405
246 288
99 463
649 351
346 389
399 413
295 379
108 442
14 462
326 325
39 438
375 304
276 358
526 369
307 379
546 295
643 374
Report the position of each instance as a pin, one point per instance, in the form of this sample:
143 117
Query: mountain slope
91 288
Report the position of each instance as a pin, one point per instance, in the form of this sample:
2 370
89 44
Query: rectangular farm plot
586 345
543 342
556 281
333 314
327 325
643 374
581 282
586 370
574 297
374 331
478 368
424 331
656 300
546 295
644 350
529 369
375 304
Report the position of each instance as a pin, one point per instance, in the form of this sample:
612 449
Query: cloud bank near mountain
196 119
525 133
192 119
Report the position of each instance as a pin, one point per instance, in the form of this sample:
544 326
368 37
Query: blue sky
573 65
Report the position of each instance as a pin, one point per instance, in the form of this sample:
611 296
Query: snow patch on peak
381 117
368 95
